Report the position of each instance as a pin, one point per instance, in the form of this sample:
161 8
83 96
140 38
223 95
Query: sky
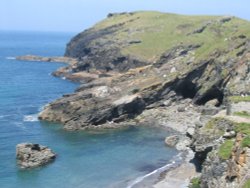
77 15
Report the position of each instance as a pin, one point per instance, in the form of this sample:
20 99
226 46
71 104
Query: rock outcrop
33 155
171 141
67 60
220 173
113 69
220 154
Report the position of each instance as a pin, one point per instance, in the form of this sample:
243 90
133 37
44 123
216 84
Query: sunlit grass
239 98
242 114
159 32
225 149
195 183
246 184
243 128
246 142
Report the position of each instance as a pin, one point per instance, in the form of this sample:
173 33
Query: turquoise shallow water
111 158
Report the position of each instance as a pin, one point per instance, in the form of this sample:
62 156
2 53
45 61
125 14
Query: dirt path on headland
237 107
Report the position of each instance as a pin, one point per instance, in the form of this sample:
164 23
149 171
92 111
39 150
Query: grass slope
226 149
159 32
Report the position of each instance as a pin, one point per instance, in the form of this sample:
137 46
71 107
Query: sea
85 159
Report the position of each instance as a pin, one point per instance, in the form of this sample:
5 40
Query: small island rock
30 155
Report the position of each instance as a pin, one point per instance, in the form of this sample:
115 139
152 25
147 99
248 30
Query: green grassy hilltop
152 33
217 46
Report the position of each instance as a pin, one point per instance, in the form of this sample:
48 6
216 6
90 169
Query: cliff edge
166 69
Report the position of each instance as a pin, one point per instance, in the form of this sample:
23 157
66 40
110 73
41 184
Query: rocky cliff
131 61
138 67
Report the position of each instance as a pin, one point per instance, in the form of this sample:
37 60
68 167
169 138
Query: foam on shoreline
152 176
30 118
10 58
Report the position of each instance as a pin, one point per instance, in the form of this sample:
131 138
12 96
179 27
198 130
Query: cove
110 158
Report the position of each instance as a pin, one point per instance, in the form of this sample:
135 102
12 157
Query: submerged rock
33 155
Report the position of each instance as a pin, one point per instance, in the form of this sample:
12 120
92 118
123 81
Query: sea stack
30 155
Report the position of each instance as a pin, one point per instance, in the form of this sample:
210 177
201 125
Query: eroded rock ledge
115 97
142 76
67 60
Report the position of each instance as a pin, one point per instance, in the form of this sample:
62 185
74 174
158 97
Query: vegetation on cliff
247 184
226 149
141 59
147 35
195 183
131 64
227 162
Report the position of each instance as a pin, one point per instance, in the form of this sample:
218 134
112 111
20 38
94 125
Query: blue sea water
111 158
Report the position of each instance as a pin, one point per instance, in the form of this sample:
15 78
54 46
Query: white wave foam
10 58
159 170
41 108
140 179
30 118
4 116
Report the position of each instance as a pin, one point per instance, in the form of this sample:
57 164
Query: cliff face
129 40
149 57
220 146
101 47
150 67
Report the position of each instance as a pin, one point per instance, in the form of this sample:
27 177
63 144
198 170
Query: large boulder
33 155
171 141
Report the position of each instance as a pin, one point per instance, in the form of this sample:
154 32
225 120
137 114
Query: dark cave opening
186 89
213 93
82 67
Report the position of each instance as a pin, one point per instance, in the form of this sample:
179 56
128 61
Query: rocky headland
190 73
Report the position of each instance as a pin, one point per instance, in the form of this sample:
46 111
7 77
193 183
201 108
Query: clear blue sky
77 15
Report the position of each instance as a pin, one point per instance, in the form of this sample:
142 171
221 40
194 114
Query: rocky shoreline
181 116
129 79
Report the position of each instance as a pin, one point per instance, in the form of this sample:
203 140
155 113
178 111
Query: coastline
161 177
180 116
180 85
177 173
180 176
